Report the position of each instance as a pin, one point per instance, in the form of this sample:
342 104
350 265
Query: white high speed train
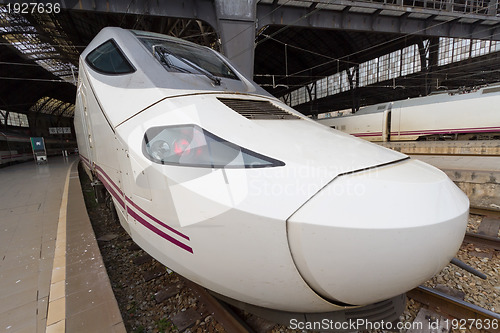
243 195
449 115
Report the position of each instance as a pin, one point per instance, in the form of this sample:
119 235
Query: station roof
39 56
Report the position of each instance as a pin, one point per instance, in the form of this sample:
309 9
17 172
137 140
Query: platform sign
37 144
59 130
39 152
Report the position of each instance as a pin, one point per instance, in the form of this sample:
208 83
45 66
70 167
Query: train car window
109 59
183 57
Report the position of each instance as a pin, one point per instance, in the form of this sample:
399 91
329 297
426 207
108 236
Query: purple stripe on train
156 220
158 231
430 132
111 186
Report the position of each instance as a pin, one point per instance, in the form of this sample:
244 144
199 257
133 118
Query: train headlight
160 150
191 145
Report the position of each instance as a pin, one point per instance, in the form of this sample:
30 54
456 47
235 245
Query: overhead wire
31 79
47 44
272 36
352 62
125 14
399 37
17 64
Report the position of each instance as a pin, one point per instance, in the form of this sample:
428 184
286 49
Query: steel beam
196 9
236 21
446 24
236 27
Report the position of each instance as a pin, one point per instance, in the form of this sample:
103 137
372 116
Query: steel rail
478 239
450 305
224 316
484 212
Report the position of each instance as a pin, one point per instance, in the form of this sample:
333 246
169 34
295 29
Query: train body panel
14 148
302 160
220 201
100 147
368 126
200 199
211 175
83 136
265 270
406 226
441 116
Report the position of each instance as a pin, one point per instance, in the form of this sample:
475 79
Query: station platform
52 275
452 162
469 147
478 176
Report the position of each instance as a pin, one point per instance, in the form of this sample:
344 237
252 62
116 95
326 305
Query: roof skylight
25 37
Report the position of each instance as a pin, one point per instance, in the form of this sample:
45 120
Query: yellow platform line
56 313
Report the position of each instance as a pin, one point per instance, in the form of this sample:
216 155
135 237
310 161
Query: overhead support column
236 27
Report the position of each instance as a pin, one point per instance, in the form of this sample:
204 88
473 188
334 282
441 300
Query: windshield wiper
161 53
212 77
164 60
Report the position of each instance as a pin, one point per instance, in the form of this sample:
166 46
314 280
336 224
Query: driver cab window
109 59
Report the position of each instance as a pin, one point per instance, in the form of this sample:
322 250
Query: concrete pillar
236 26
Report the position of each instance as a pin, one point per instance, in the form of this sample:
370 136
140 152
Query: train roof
162 61
130 70
141 33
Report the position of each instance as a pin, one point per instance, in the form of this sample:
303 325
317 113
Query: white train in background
444 116
16 147
234 190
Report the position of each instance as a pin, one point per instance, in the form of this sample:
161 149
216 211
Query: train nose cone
374 234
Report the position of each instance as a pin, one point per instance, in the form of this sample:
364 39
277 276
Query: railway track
486 240
483 240
484 212
468 314
221 312
455 307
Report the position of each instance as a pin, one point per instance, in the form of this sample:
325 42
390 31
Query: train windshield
187 58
